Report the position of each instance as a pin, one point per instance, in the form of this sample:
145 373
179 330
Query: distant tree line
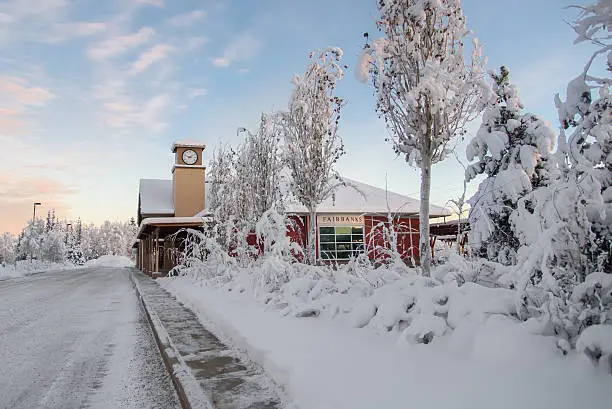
54 240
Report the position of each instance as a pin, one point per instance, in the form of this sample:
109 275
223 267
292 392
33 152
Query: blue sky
92 93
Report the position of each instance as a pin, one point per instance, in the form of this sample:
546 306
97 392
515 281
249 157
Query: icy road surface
78 339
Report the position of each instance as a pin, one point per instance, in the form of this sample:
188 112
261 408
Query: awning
170 225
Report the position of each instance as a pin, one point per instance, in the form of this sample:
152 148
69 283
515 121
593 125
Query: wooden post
152 255
144 255
140 256
156 251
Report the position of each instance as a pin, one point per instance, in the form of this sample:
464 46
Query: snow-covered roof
175 220
187 143
348 199
156 196
170 221
358 197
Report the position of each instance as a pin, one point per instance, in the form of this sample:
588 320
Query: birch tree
312 145
221 176
263 164
426 92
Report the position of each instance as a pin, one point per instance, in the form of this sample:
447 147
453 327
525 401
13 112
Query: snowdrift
26 267
354 348
110 261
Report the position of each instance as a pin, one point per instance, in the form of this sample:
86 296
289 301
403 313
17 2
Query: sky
93 93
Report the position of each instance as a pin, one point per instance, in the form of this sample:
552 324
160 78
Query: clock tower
188 177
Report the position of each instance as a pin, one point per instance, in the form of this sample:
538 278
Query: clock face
190 157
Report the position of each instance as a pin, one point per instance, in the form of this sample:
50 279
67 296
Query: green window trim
340 242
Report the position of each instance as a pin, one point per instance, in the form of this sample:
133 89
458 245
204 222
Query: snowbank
110 261
27 267
596 343
489 360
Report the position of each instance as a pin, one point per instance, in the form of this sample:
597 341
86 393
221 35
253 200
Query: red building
359 219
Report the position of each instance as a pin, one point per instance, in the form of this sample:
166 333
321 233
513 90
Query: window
340 242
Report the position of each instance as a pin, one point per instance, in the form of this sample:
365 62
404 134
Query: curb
187 388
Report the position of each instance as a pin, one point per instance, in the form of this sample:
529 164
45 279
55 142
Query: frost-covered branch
309 127
426 92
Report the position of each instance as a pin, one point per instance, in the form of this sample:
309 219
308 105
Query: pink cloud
118 45
157 53
17 99
20 93
17 194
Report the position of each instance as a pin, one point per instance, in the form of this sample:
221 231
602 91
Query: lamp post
68 231
34 214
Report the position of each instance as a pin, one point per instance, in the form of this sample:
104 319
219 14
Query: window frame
356 243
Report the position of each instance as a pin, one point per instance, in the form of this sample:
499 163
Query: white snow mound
110 261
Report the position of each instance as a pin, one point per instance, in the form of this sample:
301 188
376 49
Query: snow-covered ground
75 339
26 267
110 261
488 361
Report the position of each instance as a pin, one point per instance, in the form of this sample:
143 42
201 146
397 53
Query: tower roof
187 143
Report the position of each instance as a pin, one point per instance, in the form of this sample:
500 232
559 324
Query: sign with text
340 220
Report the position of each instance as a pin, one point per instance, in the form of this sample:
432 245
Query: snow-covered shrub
381 243
513 149
596 343
274 268
426 92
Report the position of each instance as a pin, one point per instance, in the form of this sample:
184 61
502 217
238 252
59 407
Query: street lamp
68 231
34 214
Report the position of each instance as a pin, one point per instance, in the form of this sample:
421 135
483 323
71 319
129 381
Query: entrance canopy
170 225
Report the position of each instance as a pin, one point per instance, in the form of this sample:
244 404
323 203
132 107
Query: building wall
188 190
188 184
377 232
376 235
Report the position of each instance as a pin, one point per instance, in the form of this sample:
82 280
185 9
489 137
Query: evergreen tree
79 232
513 149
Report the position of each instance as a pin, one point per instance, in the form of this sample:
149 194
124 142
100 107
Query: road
78 339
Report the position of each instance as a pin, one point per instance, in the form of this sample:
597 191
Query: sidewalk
223 379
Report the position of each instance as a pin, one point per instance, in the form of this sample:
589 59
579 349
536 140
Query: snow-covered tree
8 247
220 176
310 131
426 92
30 240
223 203
513 149
74 252
586 119
53 244
565 258
263 164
